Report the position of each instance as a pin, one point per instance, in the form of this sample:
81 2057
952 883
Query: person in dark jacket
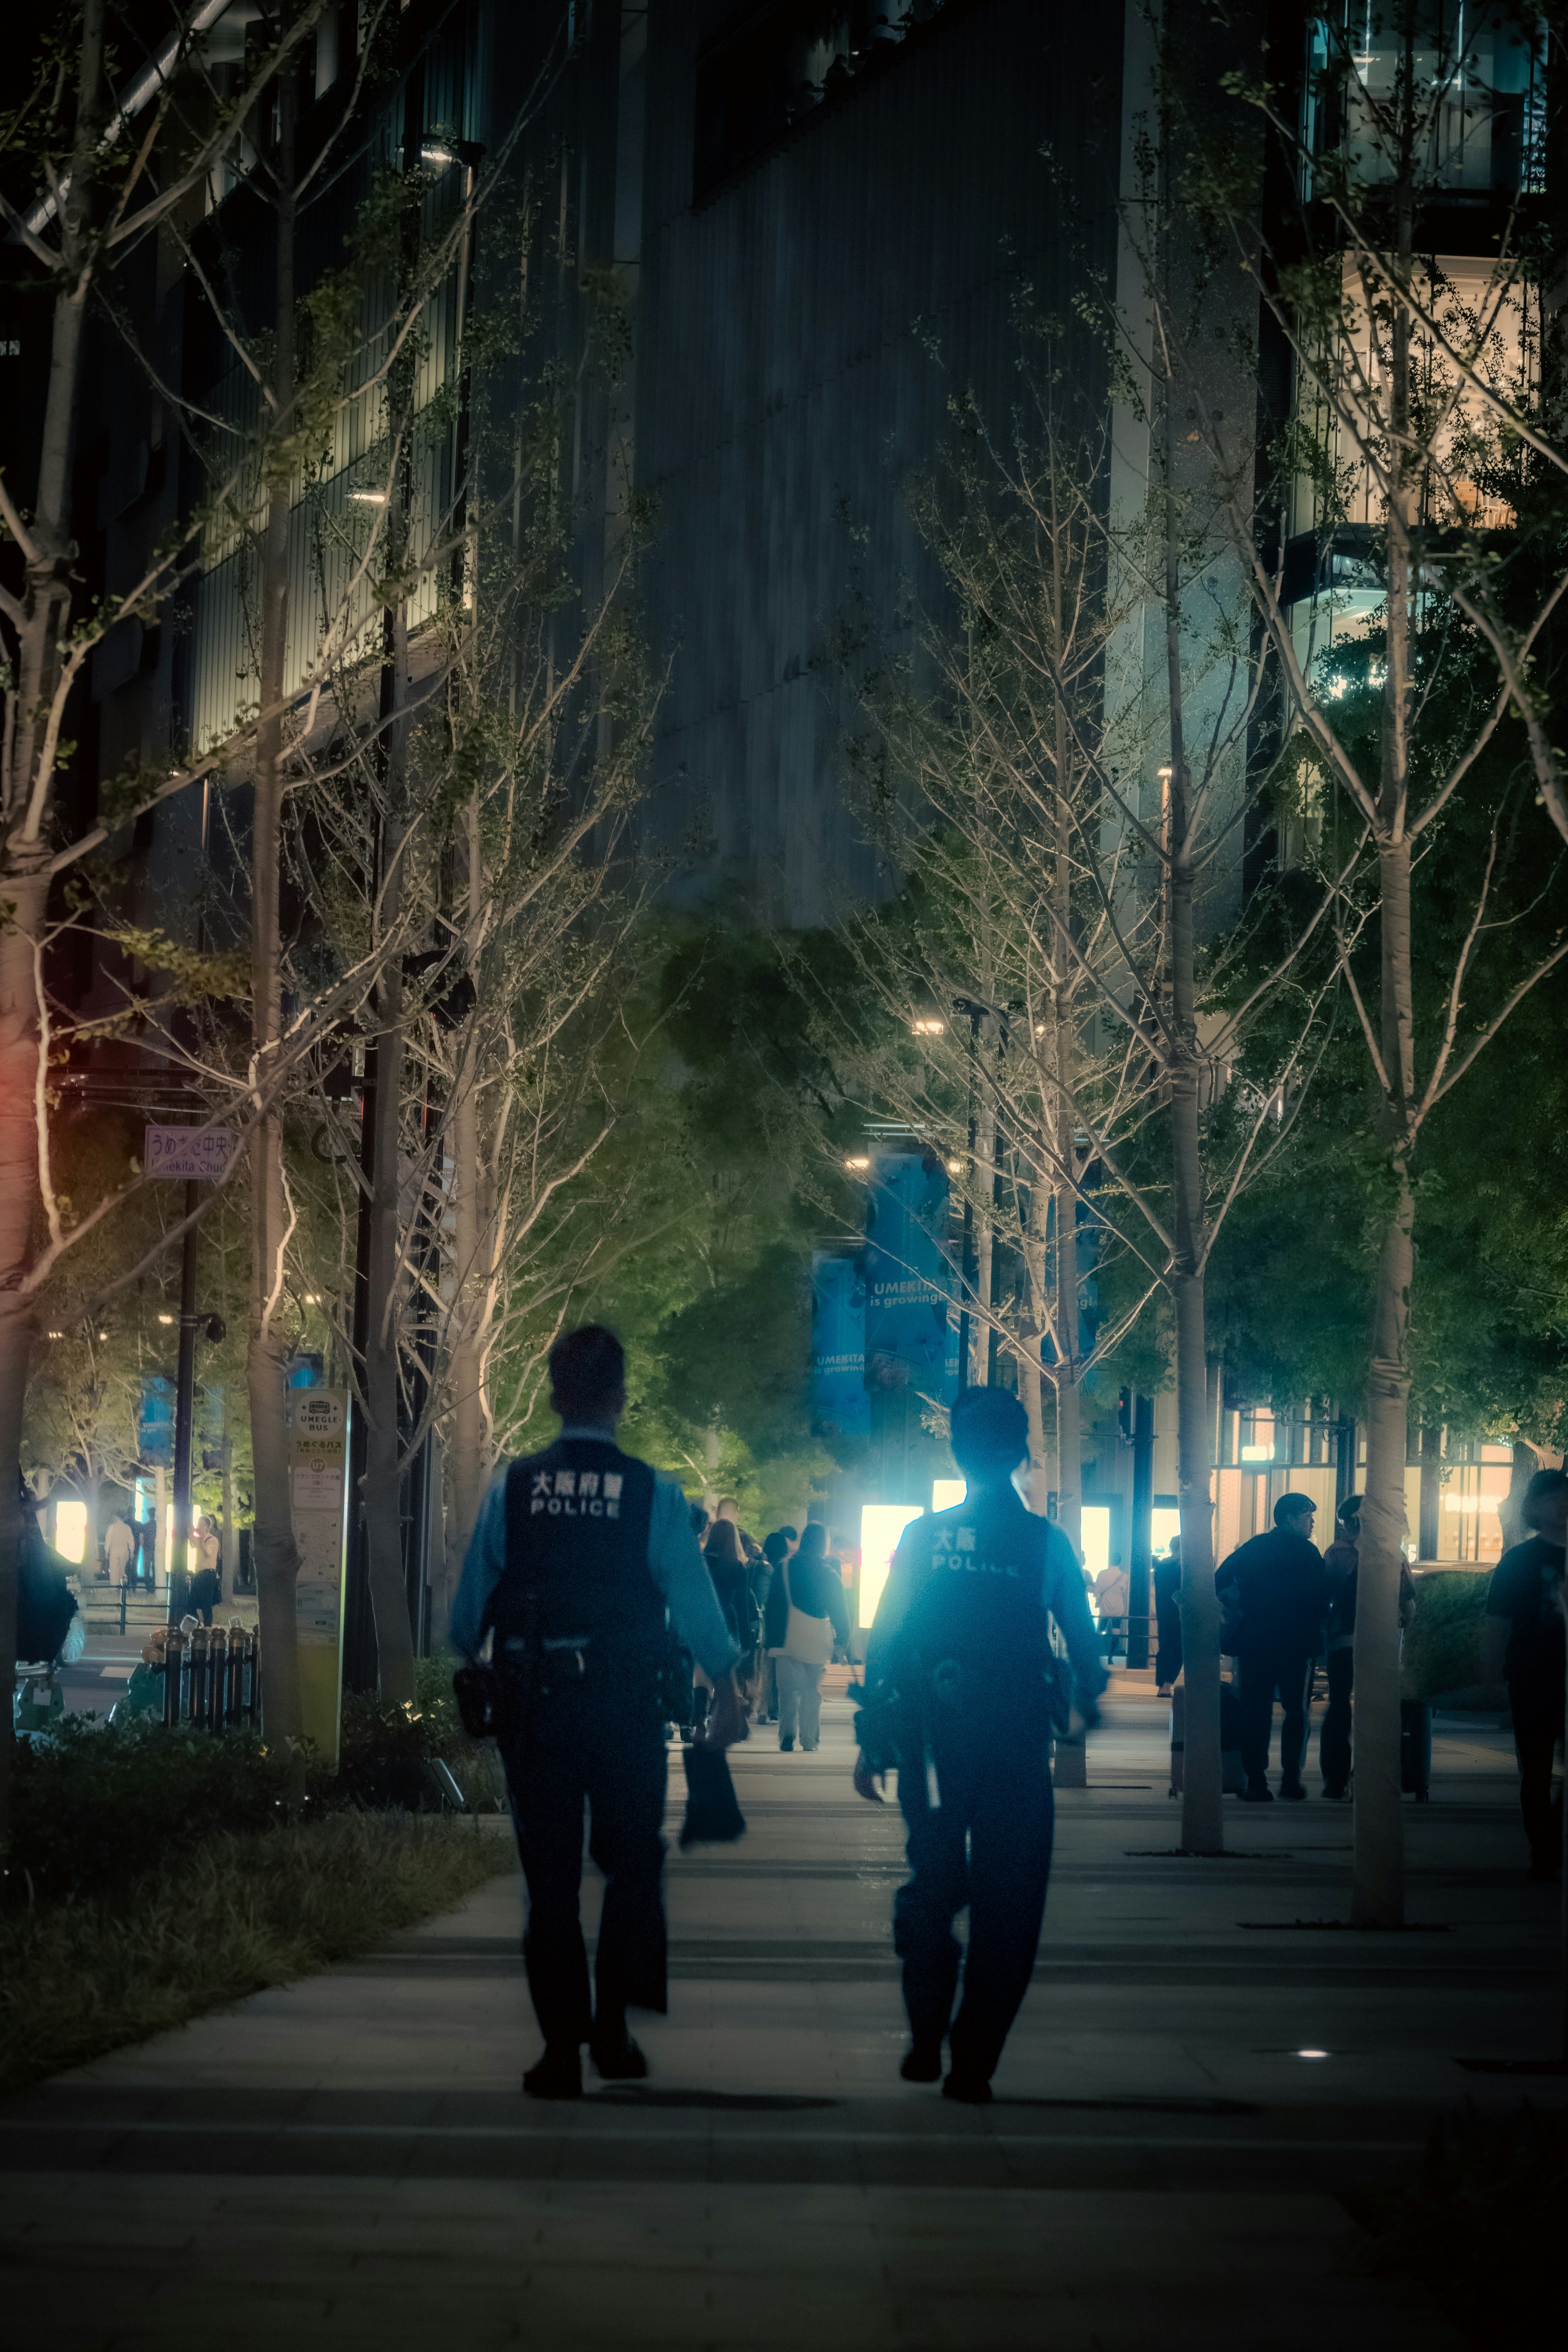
732 1581
1168 1616
780 1545
811 1586
581 1568
1273 1591
963 1684
1339 1564
1526 1595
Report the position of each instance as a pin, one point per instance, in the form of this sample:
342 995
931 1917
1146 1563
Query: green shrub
1444 1646
385 1749
98 1806
208 1927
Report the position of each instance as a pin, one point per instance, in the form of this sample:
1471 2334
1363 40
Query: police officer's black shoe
558 2075
1292 1791
1257 1793
617 2057
923 2062
975 2090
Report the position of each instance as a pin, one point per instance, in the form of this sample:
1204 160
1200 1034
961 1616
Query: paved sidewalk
350 2160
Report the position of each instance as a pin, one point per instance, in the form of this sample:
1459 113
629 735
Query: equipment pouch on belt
476 1690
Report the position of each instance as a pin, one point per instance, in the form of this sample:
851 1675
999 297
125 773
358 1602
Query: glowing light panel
1096 1537
70 1530
881 1525
946 1494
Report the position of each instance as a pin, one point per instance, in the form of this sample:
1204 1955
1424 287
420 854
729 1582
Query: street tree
1424 459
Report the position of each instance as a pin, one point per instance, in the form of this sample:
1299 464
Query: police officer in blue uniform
581 1564
963 1691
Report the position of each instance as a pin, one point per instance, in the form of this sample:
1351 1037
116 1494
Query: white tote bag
807 1640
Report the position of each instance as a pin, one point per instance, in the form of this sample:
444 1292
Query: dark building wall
798 334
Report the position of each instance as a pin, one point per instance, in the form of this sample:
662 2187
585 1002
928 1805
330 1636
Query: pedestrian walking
206 1584
777 1550
1525 1605
807 1615
1168 1616
962 1692
1112 1590
1341 1562
580 1555
119 1551
1272 1594
727 1566
729 1511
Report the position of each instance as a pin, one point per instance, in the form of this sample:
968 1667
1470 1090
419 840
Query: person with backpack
806 1616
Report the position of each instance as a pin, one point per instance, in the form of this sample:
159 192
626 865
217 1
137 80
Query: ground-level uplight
1310 2054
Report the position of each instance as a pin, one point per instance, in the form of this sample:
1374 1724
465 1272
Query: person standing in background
776 1548
119 1551
1341 1562
806 1614
1527 1642
1168 1616
1273 1591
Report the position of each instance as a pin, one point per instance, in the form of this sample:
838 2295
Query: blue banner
838 1343
155 1423
908 1277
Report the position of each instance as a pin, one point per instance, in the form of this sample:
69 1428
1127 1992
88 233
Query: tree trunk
230 1538
383 1495
25 847
1202 1816
984 1178
1069 1437
18 1192
1377 1897
275 1559
468 1465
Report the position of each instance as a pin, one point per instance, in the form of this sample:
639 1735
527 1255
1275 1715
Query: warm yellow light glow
859 1162
881 1525
946 1494
928 1028
166 1319
1095 1527
953 1166
70 1532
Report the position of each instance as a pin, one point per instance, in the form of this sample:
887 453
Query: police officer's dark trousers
984 1843
582 1743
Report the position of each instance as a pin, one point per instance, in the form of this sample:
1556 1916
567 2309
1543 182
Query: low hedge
228 1917
96 1806
1444 1645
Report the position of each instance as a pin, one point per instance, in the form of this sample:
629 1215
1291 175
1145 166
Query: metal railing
211 1677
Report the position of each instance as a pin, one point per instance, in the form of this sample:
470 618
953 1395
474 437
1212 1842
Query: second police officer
581 1557
962 1692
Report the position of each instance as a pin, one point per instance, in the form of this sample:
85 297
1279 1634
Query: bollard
200 1653
174 1661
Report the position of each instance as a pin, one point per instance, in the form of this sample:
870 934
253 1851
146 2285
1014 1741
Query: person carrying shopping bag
805 1616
